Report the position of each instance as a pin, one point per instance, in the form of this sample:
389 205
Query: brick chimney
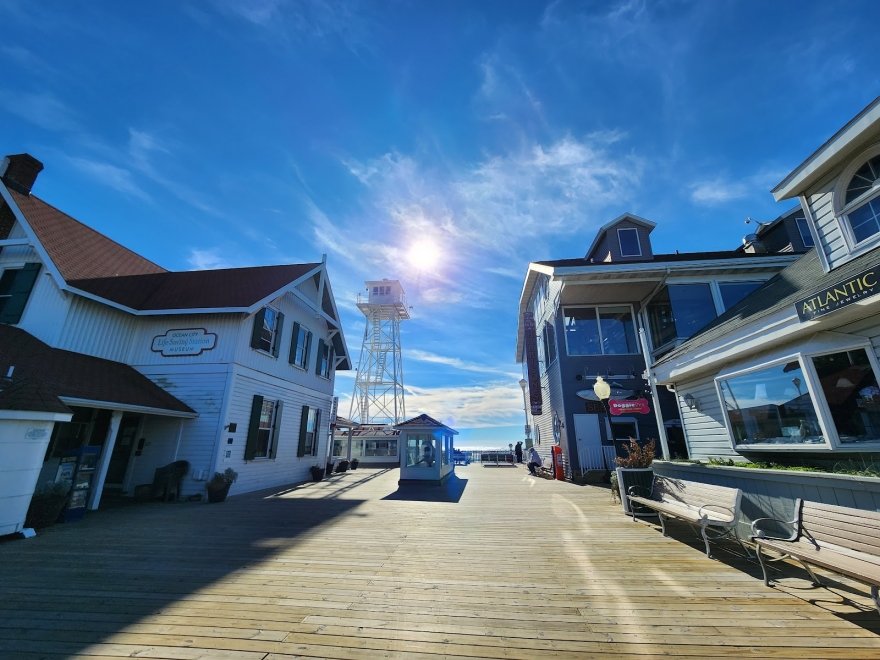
20 171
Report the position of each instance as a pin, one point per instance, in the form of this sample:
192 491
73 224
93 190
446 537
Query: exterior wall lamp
691 402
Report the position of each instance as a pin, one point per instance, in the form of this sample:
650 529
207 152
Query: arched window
859 202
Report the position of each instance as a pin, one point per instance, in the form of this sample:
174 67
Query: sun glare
424 255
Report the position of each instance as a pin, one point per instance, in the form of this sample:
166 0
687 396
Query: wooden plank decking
499 565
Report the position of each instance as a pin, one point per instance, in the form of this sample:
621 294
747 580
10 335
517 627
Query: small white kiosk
425 451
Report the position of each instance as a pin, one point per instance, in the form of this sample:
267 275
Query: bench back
842 526
694 493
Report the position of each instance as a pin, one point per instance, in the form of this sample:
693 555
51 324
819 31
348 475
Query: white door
589 442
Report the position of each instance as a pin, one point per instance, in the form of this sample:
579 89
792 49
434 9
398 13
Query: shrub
637 456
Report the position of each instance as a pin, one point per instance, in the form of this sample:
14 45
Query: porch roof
45 377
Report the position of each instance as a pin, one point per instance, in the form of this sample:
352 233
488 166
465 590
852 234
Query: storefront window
678 311
771 406
850 388
380 447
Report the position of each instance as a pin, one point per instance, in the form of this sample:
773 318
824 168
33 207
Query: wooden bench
840 539
714 509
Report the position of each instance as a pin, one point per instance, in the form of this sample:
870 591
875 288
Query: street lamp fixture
603 393
528 429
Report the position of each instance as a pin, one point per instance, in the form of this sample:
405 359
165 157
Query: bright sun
424 255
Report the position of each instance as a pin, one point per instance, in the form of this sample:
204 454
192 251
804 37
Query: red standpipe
556 454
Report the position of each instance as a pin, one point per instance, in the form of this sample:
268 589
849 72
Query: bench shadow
788 578
449 491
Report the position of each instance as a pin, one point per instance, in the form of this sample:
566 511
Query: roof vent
753 245
20 171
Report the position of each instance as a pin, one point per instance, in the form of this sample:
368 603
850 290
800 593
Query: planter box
771 493
628 477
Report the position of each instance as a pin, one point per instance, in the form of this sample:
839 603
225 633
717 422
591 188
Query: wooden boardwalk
499 565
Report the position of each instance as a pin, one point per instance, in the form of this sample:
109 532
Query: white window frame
638 241
822 344
638 350
842 209
275 336
273 435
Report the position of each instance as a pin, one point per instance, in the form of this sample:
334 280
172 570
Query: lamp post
603 393
528 430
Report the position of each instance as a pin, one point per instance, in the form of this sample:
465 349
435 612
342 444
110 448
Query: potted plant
635 469
46 505
331 466
354 463
218 486
343 466
317 472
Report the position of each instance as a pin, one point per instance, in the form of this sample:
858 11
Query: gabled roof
76 250
196 289
423 421
629 217
74 376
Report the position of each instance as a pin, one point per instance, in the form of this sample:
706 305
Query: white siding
203 389
294 312
96 329
831 240
46 309
705 430
160 436
286 467
226 326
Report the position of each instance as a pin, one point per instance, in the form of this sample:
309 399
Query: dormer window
629 242
861 200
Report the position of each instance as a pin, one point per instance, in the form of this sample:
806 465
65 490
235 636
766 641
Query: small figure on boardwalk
534 461
518 451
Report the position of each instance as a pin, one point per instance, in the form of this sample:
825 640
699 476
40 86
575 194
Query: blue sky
219 133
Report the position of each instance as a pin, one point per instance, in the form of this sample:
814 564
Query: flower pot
217 492
317 473
354 463
342 467
629 477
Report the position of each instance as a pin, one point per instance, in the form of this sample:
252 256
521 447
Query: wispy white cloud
458 363
208 259
492 404
42 109
109 175
721 190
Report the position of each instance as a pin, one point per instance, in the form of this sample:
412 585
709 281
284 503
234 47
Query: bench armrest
758 533
710 507
639 491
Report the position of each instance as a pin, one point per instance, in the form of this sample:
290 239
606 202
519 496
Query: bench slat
855 567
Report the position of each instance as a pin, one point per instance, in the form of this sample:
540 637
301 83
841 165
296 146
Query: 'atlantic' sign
185 341
863 285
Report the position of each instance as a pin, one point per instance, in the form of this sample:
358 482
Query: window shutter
292 357
303 429
308 349
317 429
279 405
250 449
331 358
276 342
258 328
20 292
320 357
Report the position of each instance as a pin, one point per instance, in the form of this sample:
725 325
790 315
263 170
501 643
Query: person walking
518 451
534 461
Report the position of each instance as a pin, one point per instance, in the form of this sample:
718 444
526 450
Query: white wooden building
220 368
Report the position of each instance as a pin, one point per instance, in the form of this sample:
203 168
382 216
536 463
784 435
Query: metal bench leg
763 565
705 539
662 523
875 597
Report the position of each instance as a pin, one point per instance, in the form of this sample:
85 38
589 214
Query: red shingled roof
74 375
195 289
76 250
